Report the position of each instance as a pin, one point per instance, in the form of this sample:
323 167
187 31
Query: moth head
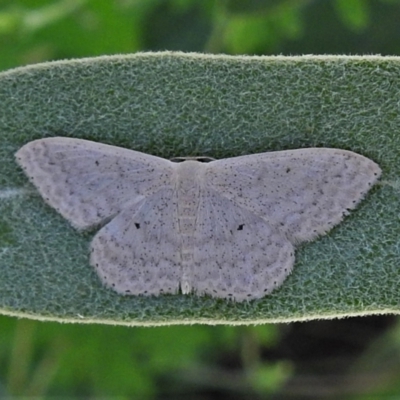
202 159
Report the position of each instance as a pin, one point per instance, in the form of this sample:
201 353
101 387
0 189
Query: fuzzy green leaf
175 104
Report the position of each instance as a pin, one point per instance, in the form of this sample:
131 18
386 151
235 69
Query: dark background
354 358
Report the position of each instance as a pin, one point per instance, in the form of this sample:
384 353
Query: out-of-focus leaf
353 13
261 33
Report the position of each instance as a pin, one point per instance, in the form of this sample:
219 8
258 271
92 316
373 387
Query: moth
227 228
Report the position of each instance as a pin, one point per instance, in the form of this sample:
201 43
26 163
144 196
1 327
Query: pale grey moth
226 228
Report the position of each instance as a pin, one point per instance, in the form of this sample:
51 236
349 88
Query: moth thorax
190 177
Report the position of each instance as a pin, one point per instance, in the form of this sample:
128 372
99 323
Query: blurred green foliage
40 30
97 360
377 371
38 359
